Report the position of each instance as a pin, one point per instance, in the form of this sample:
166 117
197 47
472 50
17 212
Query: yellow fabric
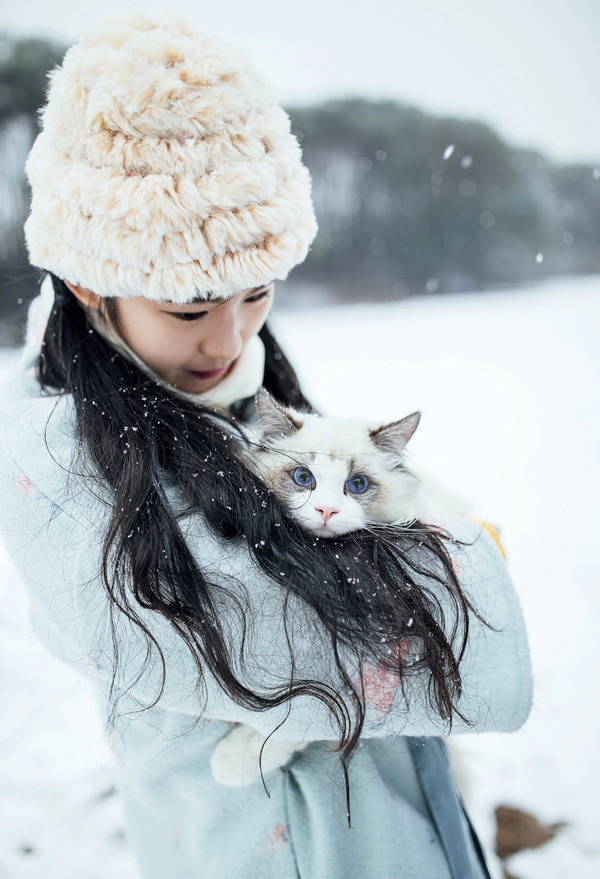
493 532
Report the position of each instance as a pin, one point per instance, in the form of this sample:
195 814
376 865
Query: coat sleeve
54 531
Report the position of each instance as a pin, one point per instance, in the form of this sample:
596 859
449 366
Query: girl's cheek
262 316
162 340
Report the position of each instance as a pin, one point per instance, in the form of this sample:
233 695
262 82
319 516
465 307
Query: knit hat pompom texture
166 169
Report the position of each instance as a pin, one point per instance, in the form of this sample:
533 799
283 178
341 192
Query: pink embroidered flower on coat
276 840
24 484
457 566
380 683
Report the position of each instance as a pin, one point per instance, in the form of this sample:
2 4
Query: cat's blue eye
357 483
302 476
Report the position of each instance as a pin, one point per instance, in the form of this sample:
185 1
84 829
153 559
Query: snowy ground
509 387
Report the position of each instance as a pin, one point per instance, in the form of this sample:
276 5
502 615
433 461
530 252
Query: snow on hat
165 168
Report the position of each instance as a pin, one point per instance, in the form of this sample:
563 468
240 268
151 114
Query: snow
508 386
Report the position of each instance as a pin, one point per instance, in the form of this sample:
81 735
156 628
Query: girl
168 194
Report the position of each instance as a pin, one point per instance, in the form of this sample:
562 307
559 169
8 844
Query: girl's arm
54 529
496 672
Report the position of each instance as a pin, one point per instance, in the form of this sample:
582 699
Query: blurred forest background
408 202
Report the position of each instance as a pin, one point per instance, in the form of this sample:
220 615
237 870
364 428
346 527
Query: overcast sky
531 68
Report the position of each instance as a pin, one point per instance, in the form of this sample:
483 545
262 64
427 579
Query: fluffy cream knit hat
166 169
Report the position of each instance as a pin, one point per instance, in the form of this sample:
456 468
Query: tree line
407 202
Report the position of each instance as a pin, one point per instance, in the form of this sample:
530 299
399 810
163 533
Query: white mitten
235 759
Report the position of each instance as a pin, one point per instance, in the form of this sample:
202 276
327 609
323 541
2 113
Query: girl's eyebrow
218 300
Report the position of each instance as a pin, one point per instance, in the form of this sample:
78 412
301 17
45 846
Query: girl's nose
223 338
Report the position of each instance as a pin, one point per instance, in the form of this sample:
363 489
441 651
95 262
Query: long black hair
386 596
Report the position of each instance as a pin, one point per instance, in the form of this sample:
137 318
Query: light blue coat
182 824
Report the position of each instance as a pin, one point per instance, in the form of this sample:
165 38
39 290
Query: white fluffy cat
334 476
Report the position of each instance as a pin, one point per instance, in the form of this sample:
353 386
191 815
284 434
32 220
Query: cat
334 476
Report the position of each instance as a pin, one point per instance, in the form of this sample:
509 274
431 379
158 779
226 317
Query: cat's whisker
395 531
382 538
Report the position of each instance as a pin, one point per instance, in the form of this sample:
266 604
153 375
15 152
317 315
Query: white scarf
243 379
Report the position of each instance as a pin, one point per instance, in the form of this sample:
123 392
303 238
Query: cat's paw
235 759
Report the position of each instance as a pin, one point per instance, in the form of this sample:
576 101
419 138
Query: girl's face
194 346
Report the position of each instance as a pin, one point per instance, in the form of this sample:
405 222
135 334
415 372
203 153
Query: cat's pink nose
327 513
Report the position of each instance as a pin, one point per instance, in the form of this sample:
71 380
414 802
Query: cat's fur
333 452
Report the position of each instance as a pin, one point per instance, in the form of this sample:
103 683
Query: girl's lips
207 374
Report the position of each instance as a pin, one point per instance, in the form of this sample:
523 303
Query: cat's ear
392 438
275 421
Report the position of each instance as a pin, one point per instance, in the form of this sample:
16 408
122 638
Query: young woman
168 195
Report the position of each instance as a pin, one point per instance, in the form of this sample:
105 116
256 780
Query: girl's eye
303 477
261 294
187 315
357 483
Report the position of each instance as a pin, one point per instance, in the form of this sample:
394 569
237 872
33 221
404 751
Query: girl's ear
86 297
275 421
